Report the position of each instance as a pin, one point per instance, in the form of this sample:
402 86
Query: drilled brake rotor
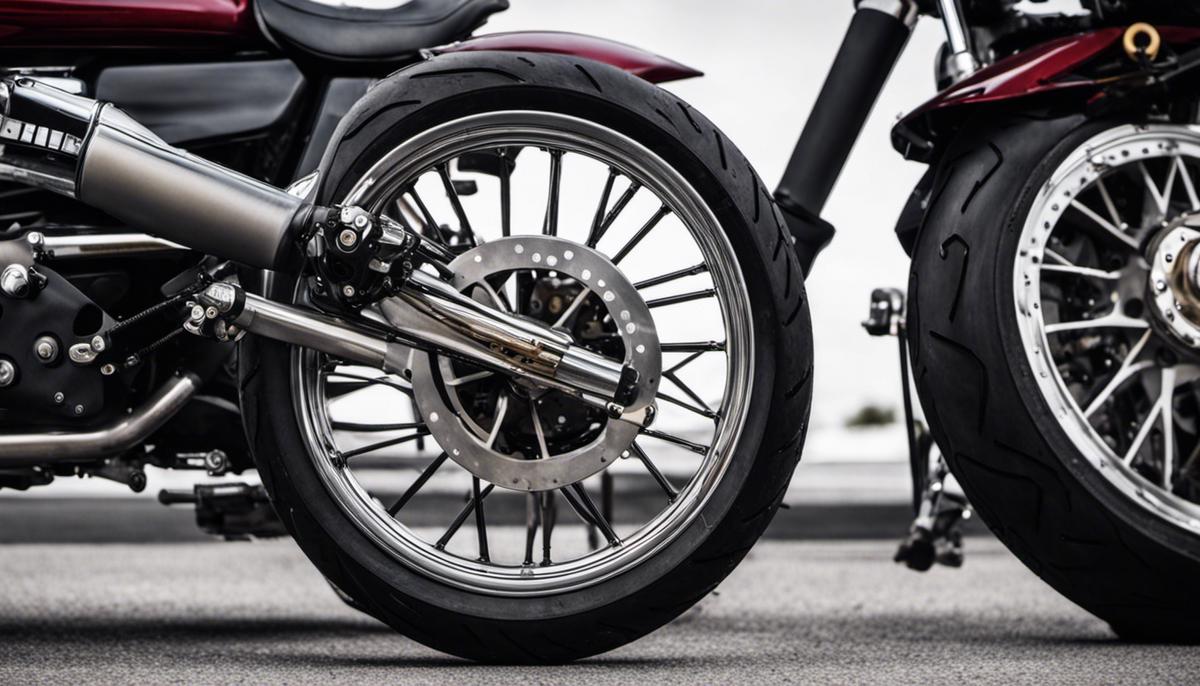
520 436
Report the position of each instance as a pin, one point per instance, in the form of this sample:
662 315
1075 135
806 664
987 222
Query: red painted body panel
1046 68
647 65
127 24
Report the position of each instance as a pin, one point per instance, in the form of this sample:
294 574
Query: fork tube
873 43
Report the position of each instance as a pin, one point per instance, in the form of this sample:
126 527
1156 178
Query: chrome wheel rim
1109 359
400 184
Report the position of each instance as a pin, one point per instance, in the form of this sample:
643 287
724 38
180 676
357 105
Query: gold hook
1137 32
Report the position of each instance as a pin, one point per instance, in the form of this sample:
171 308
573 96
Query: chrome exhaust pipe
131 430
93 151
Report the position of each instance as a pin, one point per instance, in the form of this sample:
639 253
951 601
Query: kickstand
935 535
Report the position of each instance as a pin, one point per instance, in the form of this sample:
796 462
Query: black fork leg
873 43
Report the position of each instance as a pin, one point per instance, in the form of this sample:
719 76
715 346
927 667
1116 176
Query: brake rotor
517 435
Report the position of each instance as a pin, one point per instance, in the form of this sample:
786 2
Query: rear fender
644 64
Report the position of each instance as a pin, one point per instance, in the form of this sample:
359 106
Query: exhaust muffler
94 152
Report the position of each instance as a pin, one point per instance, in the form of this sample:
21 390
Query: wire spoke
505 193
698 347
432 228
356 426
1188 184
641 234
1127 370
657 475
418 484
464 224
681 442
1108 227
1064 266
531 526
369 381
421 433
681 298
582 500
1109 204
612 215
1162 199
594 233
480 521
462 516
469 378
702 411
1113 320
1168 423
667 278
550 225
549 515
573 307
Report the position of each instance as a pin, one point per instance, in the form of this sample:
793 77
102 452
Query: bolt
14 281
36 239
360 221
1169 257
211 313
348 291
78 410
98 343
1160 285
197 312
59 398
108 369
46 349
348 238
8 373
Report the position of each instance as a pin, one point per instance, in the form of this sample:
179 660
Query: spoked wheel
497 519
486 431
1057 339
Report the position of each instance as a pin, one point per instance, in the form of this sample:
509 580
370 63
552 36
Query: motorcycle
1052 317
420 281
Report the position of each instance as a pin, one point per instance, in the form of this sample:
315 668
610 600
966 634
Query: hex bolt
8 373
360 221
348 238
46 349
14 281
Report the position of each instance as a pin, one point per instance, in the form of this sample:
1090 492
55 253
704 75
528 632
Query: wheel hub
528 438
1175 284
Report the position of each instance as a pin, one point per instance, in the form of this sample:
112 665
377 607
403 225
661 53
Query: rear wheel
1055 348
504 522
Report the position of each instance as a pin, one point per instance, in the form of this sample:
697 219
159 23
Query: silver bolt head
79 409
348 238
14 281
45 348
360 222
1160 285
98 343
197 312
8 373
212 313
59 398
348 291
108 369
36 239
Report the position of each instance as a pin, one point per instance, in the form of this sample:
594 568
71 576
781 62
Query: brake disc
448 398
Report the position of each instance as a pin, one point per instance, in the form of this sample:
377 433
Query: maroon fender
127 23
647 65
1057 67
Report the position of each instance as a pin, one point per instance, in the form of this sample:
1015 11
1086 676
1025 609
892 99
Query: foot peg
236 512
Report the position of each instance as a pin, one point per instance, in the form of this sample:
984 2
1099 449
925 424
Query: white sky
765 62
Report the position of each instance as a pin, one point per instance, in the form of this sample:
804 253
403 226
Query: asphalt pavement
795 611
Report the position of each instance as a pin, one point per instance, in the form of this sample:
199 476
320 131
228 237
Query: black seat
354 34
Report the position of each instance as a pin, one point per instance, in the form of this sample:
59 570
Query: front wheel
504 522
1055 338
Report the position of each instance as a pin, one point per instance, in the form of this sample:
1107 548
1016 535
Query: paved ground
795 611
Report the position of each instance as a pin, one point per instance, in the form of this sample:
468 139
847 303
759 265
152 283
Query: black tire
1026 479
601 617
